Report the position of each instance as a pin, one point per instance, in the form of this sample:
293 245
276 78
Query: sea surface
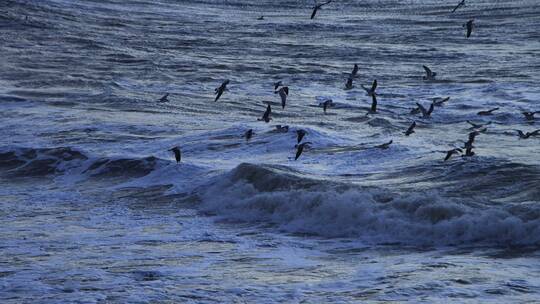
95 209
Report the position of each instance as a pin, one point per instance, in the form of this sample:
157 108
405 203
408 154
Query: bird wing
355 70
412 126
283 96
421 107
374 85
299 151
431 107
373 103
428 71
314 12
219 92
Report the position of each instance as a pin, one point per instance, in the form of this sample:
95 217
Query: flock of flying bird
283 92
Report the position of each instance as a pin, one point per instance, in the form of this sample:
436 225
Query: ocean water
94 208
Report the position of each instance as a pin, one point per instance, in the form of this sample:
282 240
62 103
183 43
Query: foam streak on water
95 209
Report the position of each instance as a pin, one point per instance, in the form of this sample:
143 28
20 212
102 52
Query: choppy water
94 208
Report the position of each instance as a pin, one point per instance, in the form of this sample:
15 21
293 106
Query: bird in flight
326 104
426 113
283 93
164 98
429 74
488 112
266 115
385 145
177 154
529 115
317 7
219 90
410 130
523 135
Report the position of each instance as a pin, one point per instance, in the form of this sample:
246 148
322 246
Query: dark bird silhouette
164 98
260 18
348 84
429 74
373 103
266 115
283 93
219 91
371 91
327 103
410 130
452 152
385 145
415 110
249 134
300 149
177 154
282 129
277 84
488 112
426 113
318 7
477 126
462 3
528 134
469 25
529 115
300 134
440 101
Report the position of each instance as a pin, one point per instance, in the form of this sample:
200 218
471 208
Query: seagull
469 25
410 130
429 74
438 101
222 88
266 116
348 84
300 134
452 152
488 112
373 103
462 3
282 129
248 134
385 145
317 7
164 98
371 91
177 154
528 134
327 103
300 149
426 113
283 93
529 115
477 126
277 84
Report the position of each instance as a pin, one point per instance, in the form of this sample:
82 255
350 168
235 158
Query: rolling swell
43 162
295 204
